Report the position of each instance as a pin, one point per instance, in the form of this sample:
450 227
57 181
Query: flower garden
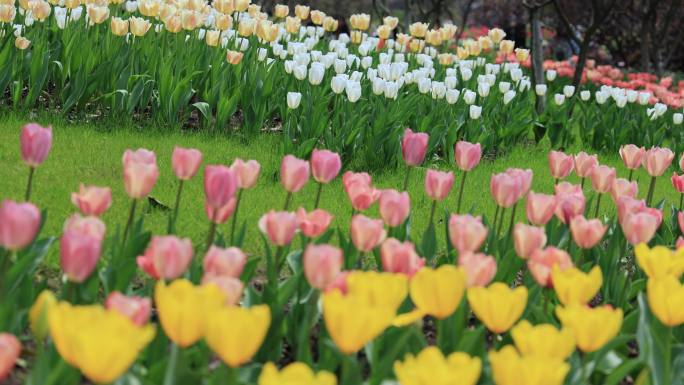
353 241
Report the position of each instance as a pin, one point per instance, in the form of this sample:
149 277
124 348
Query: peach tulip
584 163
542 261
505 188
466 233
230 287
602 178
570 201
224 262
36 142
438 184
467 155
623 188
586 233
640 227
92 200
560 164
185 162
339 283
657 160
137 309
359 190
19 224
10 348
279 226
322 264
524 178
140 172
294 173
678 182
480 268
540 208
367 233
166 257
395 207
632 156
400 257
247 172
325 165
221 214
414 147
220 184
314 223
528 239
80 246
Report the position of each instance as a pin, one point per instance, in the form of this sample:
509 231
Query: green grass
91 153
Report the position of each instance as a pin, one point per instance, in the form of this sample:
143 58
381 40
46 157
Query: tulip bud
395 207
294 173
602 178
36 142
166 257
623 187
140 172
528 239
322 264
314 223
92 200
632 156
293 99
279 226
220 184
414 147
467 233
359 190
640 227
325 165
438 184
400 257
137 309
246 173
19 224
467 155
586 233
80 246
185 162
542 262
657 160
38 315
10 349
366 233
480 268
584 163
540 208
475 112
560 164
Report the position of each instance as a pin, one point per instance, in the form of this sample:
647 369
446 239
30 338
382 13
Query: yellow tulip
139 26
462 53
543 340
330 24
445 59
101 343
592 327
292 24
302 11
7 13
119 26
497 306
235 333
379 289
448 31
97 14
666 299
430 367
211 37
506 46
509 368
390 21
253 10
149 8
384 31
241 5
416 45
225 7
22 43
38 315
496 34
184 308
418 29
317 17
296 373
574 286
281 11
433 37
485 42
223 22
660 261
173 23
41 9
359 21
474 47
356 36
522 54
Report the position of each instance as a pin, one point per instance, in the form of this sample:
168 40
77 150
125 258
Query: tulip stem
631 173
318 195
406 178
288 198
555 181
510 229
231 376
547 294
432 212
234 220
651 190
681 201
460 193
582 183
496 217
129 222
211 235
29 185
172 221
170 374
598 204
501 221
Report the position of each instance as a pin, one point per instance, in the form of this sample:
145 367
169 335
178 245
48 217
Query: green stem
288 199
406 178
651 190
231 376
496 217
598 204
211 235
681 201
129 223
582 183
510 229
501 221
555 181
547 294
29 185
170 374
460 193
318 195
234 220
631 173
432 212
172 221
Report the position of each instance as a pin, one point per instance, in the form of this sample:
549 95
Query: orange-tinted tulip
92 200
602 178
10 348
540 208
224 262
438 184
166 257
140 172
395 207
247 172
279 226
586 233
560 164
467 233
542 261
467 155
314 223
584 163
632 156
322 264
657 160
400 257
480 268
294 173
137 309
528 239
366 233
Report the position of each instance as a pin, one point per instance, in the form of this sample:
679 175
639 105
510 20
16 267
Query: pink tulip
524 178
584 163
325 165
220 184
467 233
681 162
10 349
570 201
339 283
629 205
247 173
602 178
90 225
560 164
586 233
359 190
80 246
185 162
231 287
414 147
166 257
506 189
279 226
366 233
640 227
657 160
294 173
19 224
632 156
540 208
395 207
480 268
678 182
438 184
680 243
350 178
36 142
92 200
467 155
680 221
140 172
400 257
322 263
314 223
528 239
137 309
221 214
623 188
227 262
542 261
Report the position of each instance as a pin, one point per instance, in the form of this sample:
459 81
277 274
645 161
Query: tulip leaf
616 376
654 344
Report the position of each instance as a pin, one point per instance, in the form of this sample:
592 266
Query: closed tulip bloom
592 327
294 173
36 142
92 200
221 214
602 178
295 373
136 309
166 257
119 27
140 172
586 232
570 201
438 184
623 188
38 315
657 160
659 261
231 288
584 163
414 147
10 348
322 263
543 340
511 368
220 184
627 206
234 57
497 305
506 189
480 268
466 233
666 300
139 26
19 224
560 164
467 155
678 182
379 288
640 227
680 221
314 223
395 207
527 239
430 367
542 262
279 226
524 178
183 309
325 165
359 190
224 262
573 286
235 333
247 172
632 156
80 247
540 208
400 257
367 233
185 162
281 11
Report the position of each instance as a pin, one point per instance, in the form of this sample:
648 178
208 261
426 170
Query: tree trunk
407 15
582 59
645 46
537 66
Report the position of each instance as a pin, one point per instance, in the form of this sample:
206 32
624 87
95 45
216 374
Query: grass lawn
92 154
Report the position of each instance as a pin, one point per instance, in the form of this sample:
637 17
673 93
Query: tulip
680 221
293 98
279 227
678 183
623 188
221 214
438 184
480 268
80 247
543 340
569 201
325 165
281 11
19 224
540 208
92 200
185 162
430 367
659 261
640 227
395 207
400 257
36 142
38 315
230 287
497 305
560 164
592 327
10 349
528 239
466 233
379 289
294 373
166 257
247 172
632 157
656 161
224 262
322 264
137 309
314 223
294 173
666 300
235 333
573 286
542 262
511 368
220 184
467 155
413 149
140 172
584 163
366 233
586 233
359 190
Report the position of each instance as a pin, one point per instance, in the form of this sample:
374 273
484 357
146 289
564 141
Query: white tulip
540 89
483 89
632 96
451 82
385 58
551 75
516 74
492 68
621 101
343 38
131 6
356 76
660 109
261 54
338 83
316 73
293 99
568 91
340 66
300 72
601 97
452 96
677 118
391 90
353 89
438 90
644 98
490 79
399 58
289 66
60 18
424 85
352 60
469 96
378 86
508 96
451 72
466 73
559 99
504 87
475 112
302 59
366 62
316 55
585 95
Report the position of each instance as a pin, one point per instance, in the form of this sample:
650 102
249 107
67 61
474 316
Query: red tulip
10 348
467 233
225 262
394 207
36 142
185 162
480 268
602 178
80 246
92 200
231 287
325 165
166 257
632 156
221 214
560 164
220 184
279 226
322 264
542 261
640 227
467 155
247 173
367 233
400 257
294 173
657 160
584 163
540 208
140 172
528 239
19 224
623 188
414 147
313 223
438 184
137 309
678 182
586 233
